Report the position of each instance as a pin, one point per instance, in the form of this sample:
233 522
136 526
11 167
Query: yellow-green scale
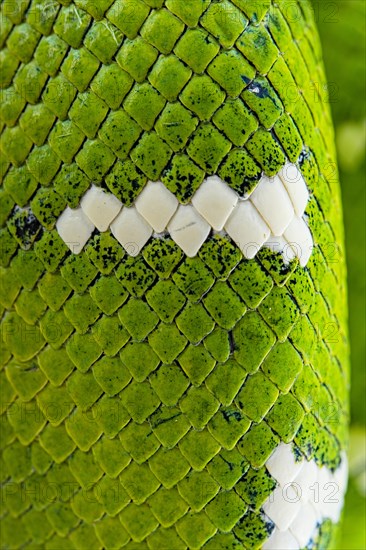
143 396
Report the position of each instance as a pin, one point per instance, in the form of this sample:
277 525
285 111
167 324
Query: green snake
175 358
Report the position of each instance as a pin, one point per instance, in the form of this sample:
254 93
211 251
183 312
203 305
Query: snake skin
142 397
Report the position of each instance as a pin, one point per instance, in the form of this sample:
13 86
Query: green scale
174 342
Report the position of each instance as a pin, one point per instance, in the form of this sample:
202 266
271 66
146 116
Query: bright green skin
166 353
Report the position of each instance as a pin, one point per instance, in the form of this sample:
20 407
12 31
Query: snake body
174 359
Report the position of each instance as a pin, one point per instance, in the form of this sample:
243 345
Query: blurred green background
342 26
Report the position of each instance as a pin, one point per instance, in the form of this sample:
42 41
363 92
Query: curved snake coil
175 358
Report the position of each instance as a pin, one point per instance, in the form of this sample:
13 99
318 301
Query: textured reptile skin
142 397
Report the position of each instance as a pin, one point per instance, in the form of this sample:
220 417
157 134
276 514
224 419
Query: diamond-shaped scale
152 30
270 192
140 400
167 342
83 351
257 396
139 482
251 282
55 364
253 340
13 330
17 459
197 363
109 493
139 521
175 125
217 344
163 256
193 278
110 335
78 272
139 359
85 469
285 417
100 207
159 273
136 57
83 429
37 526
227 467
247 228
131 230
215 201
258 444
26 380
26 419
198 488
111 533
197 48
199 405
110 456
108 294
188 229
56 442
280 311
169 425
135 276
86 507
221 255
63 520
226 380
138 318
296 187
299 237
166 300
167 506
224 305
170 383
199 447
254 526
202 96
55 403
139 441
75 228
110 415
228 426
195 529
225 510
83 389
283 354
194 322
157 205
169 466
255 486
234 25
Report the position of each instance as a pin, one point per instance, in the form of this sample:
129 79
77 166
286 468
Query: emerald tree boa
175 357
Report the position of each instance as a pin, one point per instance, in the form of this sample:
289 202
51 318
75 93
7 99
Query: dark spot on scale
297 453
231 342
26 225
269 525
304 155
164 420
230 415
245 79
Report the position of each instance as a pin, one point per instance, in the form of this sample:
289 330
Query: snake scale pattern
156 394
